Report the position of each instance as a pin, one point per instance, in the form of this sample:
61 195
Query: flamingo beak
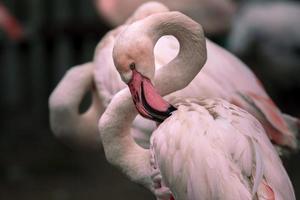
146 99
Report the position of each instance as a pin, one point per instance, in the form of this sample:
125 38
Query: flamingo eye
132 66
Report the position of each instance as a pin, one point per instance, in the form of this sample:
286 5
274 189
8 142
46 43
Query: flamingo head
135 64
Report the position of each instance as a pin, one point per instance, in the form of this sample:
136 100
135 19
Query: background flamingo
259 36
243 90
202 146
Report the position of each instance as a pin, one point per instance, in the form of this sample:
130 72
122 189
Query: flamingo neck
178 73
119 146
115 124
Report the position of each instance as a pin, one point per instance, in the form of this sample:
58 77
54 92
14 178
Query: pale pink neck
178 73
120 148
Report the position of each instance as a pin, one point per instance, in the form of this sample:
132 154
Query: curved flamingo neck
119 146
178 73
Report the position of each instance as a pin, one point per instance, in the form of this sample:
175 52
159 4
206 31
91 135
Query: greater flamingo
203 148
237 85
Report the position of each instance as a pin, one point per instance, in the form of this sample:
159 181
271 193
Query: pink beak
147 101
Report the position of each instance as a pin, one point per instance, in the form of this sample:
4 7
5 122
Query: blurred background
41 39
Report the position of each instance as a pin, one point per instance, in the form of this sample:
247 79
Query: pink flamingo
223 76
203 148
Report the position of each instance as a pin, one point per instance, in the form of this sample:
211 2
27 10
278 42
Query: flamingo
244 90
202 148
215 15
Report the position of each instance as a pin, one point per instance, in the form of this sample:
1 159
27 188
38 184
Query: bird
244 90
215 15
202 148
267 36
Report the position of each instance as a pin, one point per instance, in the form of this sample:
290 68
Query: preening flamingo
215 15
203 148
223 76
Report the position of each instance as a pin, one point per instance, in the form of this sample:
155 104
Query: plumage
202 149
235 157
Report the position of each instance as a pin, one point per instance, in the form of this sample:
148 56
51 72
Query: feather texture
210 149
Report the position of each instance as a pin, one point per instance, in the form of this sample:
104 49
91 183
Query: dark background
59 34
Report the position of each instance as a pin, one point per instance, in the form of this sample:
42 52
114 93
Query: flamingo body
207 144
